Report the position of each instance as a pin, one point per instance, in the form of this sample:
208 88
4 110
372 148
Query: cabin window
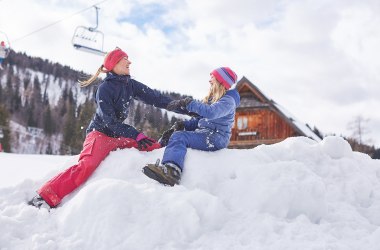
242 122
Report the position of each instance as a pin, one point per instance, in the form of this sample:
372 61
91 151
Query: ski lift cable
56 22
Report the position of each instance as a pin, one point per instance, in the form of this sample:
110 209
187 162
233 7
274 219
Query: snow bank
297 194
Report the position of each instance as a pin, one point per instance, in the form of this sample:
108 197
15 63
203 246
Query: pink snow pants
96 147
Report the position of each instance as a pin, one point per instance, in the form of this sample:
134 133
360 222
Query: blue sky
318 59
148 14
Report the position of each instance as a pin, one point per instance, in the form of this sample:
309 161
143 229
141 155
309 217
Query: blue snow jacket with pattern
218 116
113 98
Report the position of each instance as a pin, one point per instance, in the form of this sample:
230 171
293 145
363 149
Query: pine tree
63 103
165 122
150 114
5 138
49 149
8 93
26 82
69 132
138 115
37 105
48 123
16 98
1 93
86 113
31 121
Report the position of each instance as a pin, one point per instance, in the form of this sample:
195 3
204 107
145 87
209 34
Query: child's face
122 67
212 80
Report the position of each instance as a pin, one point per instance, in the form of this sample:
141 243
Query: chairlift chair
4 51
89 39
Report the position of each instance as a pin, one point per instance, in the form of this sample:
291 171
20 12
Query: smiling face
122 67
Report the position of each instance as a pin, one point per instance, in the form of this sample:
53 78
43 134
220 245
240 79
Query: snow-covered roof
301 126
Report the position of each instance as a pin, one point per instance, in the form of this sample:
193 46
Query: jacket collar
113 76
234 94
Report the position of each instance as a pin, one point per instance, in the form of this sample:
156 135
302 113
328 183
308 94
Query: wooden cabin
259 120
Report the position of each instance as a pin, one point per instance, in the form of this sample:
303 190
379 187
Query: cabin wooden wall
259 126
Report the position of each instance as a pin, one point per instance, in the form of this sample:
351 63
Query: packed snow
297 194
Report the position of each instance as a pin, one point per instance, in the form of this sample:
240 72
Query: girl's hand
144 142
178 126
179 104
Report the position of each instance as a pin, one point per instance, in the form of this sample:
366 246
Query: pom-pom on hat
113 57
225 76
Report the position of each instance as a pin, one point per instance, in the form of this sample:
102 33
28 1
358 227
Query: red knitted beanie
113 58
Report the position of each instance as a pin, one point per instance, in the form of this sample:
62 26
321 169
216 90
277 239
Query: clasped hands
180 104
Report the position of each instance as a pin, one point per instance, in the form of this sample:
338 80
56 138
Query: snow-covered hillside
30 140
38 96
297 194
50 86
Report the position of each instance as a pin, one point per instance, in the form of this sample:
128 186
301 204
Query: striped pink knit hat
225 76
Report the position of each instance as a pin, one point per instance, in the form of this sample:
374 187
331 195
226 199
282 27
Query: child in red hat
107 130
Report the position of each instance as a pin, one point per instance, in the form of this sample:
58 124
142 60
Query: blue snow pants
201 139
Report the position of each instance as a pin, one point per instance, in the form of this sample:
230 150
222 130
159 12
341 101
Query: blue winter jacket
113 98
218 116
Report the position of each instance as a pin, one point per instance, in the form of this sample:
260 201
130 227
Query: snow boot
167 174
38 202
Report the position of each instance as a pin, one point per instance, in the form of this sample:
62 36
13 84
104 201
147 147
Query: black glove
178 125
193 114
144 143
179 104
164 139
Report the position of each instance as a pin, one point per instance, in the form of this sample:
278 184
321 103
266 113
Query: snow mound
297 194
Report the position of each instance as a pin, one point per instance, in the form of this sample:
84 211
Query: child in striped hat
210 130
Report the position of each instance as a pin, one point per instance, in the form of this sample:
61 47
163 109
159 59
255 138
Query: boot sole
151 174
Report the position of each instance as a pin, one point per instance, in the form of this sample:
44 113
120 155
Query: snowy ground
297 194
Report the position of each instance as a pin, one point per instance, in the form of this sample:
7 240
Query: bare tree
359 128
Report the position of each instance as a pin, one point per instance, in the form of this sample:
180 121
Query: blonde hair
101 69
216 92
87 82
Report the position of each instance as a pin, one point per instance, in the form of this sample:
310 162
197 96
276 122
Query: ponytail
87 82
